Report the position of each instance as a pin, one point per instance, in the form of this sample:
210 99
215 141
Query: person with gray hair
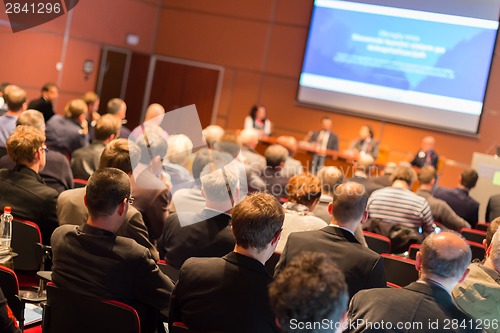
208 233
273 175
425 305
363 173
479 294
15 98
348 211
180 148
249 138
57 173
292 166
212 134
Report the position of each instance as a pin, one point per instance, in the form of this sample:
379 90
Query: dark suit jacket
226 294
333 142
372 149
362 267
56 174
98 263
421 157
152 203
276 182
65 135
493 208
24 190
45 107
206 234
460 201
85 160
415 303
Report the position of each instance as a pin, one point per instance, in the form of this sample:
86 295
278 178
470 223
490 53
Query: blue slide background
469 52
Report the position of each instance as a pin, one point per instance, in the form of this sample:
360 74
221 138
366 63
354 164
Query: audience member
44 104
153 118
323 139
385 178
212 135
440 210
205 234
311 291
57 171
257 120
3 103
292 166
249 138
92 100
93 259
15 98
426 155
118 108
180 148
303 193
492 229
330 178
71 207
365 144
67 134
458 198
493 208
362 173
273 176
7 320
22 187
425 305
230 294
396 211
479 294
348 210
85 160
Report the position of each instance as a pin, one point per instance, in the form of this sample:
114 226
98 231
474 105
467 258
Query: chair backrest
377 243
10 288
79 182
398 270
170 271
412 251
483 226
478 250
179 327
68 311
25 239
473 235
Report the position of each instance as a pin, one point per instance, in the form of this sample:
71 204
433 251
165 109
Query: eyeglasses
131 200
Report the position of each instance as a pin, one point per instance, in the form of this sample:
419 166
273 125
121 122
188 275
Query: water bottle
5 228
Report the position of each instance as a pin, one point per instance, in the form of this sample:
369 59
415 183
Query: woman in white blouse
257 120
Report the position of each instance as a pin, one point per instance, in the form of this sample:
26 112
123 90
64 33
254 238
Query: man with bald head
426 155
292 166
442 263
348 209
249 138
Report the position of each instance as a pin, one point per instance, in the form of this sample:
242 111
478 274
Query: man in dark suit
493 208
91 259
323 139
426 155
44 104
425 305
229 294
22 188
337 239
204 234
274 175
458 198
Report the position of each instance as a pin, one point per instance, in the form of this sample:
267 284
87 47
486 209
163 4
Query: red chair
478 250
399 271
483 226
473 235
377 243
179 327
67 311
79 182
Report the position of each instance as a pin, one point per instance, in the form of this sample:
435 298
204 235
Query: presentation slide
427 60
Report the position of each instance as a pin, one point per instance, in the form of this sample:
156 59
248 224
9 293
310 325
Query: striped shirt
401 206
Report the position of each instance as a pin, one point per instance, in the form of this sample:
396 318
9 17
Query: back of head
179 148
114 106
15 97
24 143
469 178
31 118
310 289
349 203
256 220
213 134
152 143
275 155
208 156
106 190
389 168
153 111
106 126
219 183
426 175
365 162
90 97
289 142
404 173
46 87
75 108
303 189
492 229
330 178
117 154
445 255
494 256
249 137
